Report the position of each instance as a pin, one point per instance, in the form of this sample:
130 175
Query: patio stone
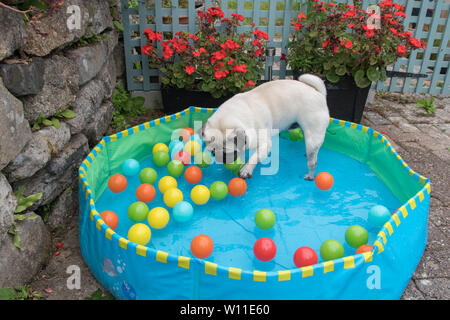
438 288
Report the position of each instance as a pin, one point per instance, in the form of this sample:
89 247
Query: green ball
296 134
138 211
161 158
175 168
356 236
218 190
202 159
331 249
265 219
148 175
236 165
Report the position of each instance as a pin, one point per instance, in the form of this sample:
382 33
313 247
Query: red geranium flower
301 15
146 48
190 69
348 44
240 68
249 83
401 49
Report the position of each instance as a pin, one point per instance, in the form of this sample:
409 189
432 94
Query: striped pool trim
212 269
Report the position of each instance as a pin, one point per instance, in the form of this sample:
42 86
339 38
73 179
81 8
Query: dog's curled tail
314 82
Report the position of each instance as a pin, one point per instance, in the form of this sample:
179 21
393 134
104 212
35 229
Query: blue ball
131 167
379 215
182 211
176 147
173 143
197 138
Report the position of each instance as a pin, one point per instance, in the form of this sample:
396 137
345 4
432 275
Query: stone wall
44 71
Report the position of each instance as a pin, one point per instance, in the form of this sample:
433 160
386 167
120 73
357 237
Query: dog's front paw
308 177
245 172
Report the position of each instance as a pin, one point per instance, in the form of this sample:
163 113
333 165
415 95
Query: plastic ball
117 183
148 175
200 194
202 246
158 218
176 147
203 159
196 137
173 143
296 134
324 181
218 190
265 249
182 211
183 156
161 158
235 165
356 236
364 248
160 147
305 256
172 196
379 215
167 182
140 234
237 187
331 249
145 192
192 147
175 168
186 134
265 219
138 211
110 218
130 167
193 174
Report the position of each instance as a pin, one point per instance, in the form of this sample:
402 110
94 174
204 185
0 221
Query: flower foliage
209 60
335 40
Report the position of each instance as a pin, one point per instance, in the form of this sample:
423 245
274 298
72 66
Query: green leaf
47 122
361 79
138 102
118 25
20 208
56 123
68 114
36 126
16 241
34 197
332 76
7 294
383 75
373 74
341 70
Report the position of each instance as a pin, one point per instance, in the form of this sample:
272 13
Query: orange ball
110 218
193 174
145 192
324 181
186 134
364 248
117 183
202 246
237 187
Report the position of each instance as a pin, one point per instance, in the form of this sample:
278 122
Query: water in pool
305 215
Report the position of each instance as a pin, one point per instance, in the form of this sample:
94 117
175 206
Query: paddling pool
366 169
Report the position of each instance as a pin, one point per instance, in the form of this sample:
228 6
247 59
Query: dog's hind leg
313 142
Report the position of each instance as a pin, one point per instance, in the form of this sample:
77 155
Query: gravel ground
423 141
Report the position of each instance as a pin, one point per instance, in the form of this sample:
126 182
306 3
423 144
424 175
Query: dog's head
225 144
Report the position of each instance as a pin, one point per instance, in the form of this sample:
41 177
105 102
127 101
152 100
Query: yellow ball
200 194
192 147
160 147
172 196
158 218
140 234
167 183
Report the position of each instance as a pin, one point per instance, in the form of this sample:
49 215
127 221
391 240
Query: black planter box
346 101
176 100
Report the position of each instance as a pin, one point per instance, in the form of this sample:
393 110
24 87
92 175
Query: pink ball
183 156
305 256
265 249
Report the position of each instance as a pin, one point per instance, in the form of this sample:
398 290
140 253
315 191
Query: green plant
19 293
54 120
211 60
125 107
91 37
427 104
339 39
98 295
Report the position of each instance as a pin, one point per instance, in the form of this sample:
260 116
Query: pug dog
247 121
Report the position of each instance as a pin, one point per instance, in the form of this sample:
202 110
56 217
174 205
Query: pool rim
211 268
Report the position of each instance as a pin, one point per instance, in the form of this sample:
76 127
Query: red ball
265 249
193 174
145 192
117 183
183 156
364 248
110 218
237 187
186 134
324 181
305 256
202 246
